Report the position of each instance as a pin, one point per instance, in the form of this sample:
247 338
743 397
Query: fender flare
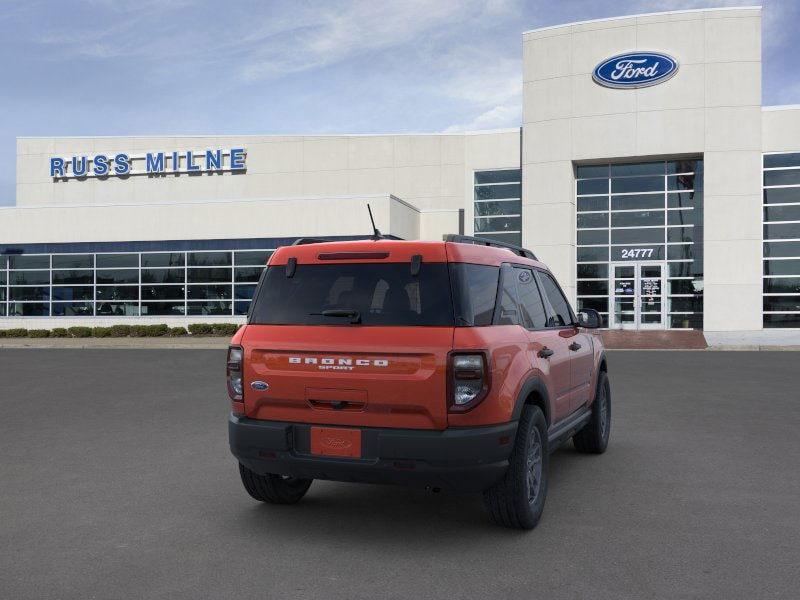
533 384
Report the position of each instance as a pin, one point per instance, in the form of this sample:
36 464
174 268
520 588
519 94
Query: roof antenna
376 234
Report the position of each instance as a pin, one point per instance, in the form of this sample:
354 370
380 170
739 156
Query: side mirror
589 318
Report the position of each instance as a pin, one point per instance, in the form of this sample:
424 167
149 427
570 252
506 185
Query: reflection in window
498 205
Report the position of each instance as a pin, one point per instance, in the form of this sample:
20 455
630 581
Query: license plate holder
336 441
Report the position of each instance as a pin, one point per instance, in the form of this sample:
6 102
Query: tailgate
343 375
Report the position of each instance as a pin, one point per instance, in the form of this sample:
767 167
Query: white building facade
646 174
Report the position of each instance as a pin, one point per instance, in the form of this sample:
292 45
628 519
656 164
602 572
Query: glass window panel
684 199
2 277
244 292
2 294
162 308
562 315
493 192
506 207
117 292
3 308
638 252
209 275
163 276
684 166
680 182
28 309
598 304
782 285
597 203
791 159
73 261
209 259
209 308
240 307
694 304
257 258
637 202
501 176
637 236
782 195
637 219
117 309
593 220
787 177
681 217
245 274
776 321
593 288
648 168
162 292
586 171
73 277
29 293
29 277
117 276
592 186
684 286
71 292
782 303
694 321
681 269
592 271
209 292
782 213
3 262
73 309
25 261
163 259
782 267
116 261
501 224
592 236
592 254
781 249
680 234
782 231
637 184
531 304
680 252
508 238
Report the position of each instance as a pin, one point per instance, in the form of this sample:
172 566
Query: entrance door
637 295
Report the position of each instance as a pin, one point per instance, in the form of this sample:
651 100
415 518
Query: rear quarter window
474 293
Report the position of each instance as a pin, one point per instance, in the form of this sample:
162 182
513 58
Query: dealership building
646 173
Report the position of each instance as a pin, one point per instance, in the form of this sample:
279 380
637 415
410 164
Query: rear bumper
462 459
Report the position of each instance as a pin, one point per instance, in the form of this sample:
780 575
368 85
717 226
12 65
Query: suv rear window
382 294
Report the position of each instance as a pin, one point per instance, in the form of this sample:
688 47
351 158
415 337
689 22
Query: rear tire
593 438
273 489
518 499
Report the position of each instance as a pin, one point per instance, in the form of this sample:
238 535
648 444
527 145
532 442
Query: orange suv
452 365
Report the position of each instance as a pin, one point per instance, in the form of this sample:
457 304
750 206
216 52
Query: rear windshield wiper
347 313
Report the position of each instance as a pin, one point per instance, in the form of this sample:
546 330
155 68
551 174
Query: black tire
274 489
518 499
593 438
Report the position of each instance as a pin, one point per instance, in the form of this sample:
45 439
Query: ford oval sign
635 70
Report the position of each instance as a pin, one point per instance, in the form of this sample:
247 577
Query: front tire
593 438
518 499
273 489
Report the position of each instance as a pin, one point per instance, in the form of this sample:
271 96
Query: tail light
234 372
468 380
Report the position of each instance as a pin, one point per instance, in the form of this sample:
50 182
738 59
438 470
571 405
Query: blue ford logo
635 70
260 385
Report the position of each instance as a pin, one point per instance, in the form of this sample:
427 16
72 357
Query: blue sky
104 67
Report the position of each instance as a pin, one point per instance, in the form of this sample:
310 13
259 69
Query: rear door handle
574 346
545 352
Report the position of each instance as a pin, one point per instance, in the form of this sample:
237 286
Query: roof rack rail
478 241
309 240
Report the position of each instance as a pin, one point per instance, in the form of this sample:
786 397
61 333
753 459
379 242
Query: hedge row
220 329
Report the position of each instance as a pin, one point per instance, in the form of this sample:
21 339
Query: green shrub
59 332
2 333
16 332
227 329
201 329
138 330
80 332
177 331
157 330
119 330
38 333
101 332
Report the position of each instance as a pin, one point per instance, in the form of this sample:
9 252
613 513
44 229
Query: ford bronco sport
448 365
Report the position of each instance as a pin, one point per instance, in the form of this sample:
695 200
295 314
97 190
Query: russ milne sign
635 70
150 163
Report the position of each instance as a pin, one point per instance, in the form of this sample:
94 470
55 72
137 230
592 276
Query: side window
530 300
508 314
560 305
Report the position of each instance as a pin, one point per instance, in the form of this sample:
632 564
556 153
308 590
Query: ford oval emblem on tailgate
260 385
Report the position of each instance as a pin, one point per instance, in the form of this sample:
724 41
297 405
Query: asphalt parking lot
116 482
